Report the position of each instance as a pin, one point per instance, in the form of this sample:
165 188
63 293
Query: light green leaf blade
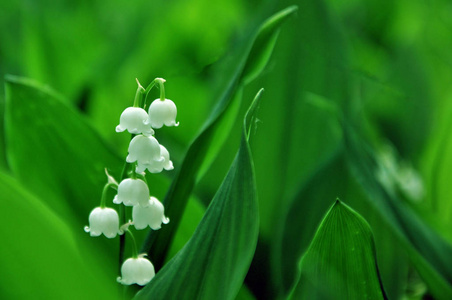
52 149
54 152
40 256
213 264
184 181
340 262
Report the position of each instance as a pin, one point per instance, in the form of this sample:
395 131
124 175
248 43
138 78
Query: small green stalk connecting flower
137 269
110 183
139 96
125 228
133 171
102 219
161 81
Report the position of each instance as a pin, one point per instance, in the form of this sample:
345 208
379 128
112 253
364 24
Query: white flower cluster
144 153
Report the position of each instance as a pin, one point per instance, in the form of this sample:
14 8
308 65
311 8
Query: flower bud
132 192
103 221
135 121
151 215
137 270
162 113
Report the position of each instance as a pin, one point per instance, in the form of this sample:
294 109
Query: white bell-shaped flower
132 192
152 215
103 220
135 121
158 166
136 270
162 112
144 150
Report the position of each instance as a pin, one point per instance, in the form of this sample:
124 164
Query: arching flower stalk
137 269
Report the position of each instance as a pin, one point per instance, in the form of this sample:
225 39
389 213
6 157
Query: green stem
103 199
161 81
122 220
134 244
148 89
140 176
133 174
137 102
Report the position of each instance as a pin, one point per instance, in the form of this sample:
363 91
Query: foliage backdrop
357 99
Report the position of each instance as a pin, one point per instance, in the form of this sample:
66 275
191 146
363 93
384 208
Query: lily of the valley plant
144 153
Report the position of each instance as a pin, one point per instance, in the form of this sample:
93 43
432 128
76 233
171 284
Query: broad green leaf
194 211
41 257
295 232
222 131
53 150
184 181
333 179
264 43
340 263
430 254
389 250
213 264
310 58
307 172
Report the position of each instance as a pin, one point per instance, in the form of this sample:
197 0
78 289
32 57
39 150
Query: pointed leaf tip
343 244
249 116
264 43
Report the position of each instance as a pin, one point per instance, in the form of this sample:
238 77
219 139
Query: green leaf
184 181
41 258
389 250
333 179
309 65
295 233
429 253
213 264
309 188
53 150
310 55
340 262
194 211
264 43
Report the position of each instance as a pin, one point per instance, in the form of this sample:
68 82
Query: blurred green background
383 68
